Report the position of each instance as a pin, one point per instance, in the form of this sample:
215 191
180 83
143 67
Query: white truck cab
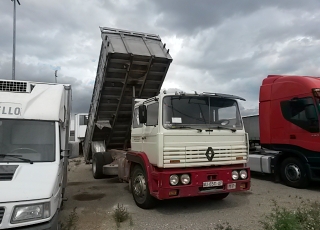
34 128
180 127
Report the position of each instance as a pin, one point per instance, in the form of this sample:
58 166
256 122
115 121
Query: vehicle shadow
263 176
198 204
313 186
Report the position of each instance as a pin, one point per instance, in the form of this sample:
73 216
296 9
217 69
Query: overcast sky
216 46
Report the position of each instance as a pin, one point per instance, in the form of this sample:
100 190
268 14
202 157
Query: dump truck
34 148
284 136
165 145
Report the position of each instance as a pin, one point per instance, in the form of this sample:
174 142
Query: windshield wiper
185 127
17 157
221 127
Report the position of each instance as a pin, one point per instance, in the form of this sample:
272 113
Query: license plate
207 184
232 186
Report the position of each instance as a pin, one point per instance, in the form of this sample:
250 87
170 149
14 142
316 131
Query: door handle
293 136
143 138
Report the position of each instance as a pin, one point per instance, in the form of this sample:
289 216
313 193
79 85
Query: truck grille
13 86
1 213
196 156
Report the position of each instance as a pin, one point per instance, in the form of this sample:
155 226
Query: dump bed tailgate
130 63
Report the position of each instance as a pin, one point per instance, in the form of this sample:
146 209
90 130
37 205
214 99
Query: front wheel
140 190
294 173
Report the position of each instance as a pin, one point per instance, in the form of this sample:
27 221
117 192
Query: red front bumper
162 189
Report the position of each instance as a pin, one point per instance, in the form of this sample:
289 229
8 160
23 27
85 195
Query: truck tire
97 165
219 196
140 190
294 173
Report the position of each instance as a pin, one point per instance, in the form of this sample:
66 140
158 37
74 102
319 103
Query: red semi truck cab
289 123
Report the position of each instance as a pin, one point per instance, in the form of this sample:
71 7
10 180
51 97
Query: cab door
303 129
150 132
136 132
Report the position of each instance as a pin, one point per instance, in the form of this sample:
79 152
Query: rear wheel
294 173
140 190
97 165
219 196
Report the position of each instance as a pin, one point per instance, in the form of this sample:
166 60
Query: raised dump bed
131 64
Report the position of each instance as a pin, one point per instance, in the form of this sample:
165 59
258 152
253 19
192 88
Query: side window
152 114
302 113
135 119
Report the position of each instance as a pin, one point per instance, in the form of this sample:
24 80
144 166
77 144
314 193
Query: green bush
121 214
305 217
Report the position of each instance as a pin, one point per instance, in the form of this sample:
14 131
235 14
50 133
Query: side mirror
142 114
64 153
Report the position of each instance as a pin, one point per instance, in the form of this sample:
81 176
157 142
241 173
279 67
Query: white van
34 136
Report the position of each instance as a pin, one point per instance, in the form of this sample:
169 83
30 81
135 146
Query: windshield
200 112
32 140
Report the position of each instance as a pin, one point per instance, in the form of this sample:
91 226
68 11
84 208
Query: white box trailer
260 160
34 138
251 124
78 132
80 126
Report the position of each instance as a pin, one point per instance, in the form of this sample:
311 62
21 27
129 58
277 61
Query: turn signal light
174 161
173 192
243 186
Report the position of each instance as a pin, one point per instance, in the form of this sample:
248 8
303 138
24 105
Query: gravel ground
95 201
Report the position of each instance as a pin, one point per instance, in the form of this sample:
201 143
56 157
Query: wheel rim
139 187
293 172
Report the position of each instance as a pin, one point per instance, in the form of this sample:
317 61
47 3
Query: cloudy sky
216 45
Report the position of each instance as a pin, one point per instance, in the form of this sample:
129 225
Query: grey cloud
188 18
81 93
225 46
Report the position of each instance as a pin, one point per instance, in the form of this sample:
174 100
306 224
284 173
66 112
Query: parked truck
34 136
78 131
284 137
166 145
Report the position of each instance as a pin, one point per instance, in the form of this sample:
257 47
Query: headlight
174 179
243 174
30 212
235 175
185 179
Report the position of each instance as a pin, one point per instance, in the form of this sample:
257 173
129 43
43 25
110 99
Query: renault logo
210 154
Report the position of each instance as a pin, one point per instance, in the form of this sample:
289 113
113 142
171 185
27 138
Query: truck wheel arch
140 158
290 153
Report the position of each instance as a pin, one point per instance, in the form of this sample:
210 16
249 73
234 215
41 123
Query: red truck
287 130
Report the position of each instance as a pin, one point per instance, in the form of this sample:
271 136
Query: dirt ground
93 202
